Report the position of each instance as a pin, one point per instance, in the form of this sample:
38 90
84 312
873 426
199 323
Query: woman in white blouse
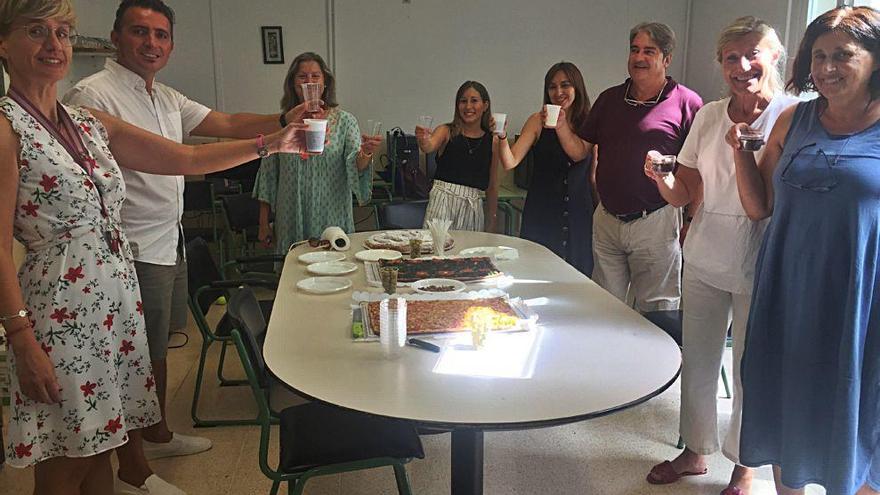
721 246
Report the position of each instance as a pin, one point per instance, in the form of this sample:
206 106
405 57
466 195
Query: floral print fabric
83 299
310 194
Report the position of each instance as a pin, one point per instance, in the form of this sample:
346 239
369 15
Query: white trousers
707 315
463 205
642 256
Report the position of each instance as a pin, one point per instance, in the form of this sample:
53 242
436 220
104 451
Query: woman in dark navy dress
559 208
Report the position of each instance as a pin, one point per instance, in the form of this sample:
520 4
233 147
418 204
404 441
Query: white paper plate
323 285
332 268
501 253
378 254
320 256
421 285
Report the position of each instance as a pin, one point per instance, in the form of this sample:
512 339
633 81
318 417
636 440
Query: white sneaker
179 445
153 485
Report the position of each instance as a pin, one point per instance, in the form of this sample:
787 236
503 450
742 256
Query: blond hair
744 26
12 10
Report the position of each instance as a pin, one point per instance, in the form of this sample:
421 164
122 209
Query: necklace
467 142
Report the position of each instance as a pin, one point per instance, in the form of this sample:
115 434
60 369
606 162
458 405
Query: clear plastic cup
427 122
388 275
392 326
372 128
552 115
312 96
415 247
751 141
315 135
500 120
663 164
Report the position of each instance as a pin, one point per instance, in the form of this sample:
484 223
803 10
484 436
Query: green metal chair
205 285
316 439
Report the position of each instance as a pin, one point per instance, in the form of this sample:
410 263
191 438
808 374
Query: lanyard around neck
65 133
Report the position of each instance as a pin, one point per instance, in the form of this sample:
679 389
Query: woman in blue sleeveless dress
811 365
559 207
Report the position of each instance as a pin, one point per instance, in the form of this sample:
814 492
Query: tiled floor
607 456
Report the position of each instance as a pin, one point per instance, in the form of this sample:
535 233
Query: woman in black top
559 208
466 163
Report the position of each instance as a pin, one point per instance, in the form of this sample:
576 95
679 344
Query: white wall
708 17
395 61
191 68
245 83
398 61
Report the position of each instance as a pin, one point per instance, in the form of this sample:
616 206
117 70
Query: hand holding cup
658 166
498 124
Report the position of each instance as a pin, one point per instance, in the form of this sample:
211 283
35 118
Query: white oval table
590 356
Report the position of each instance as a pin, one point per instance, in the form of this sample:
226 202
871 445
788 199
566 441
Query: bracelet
282 120
22 313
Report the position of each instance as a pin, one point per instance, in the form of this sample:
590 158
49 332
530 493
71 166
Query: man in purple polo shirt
635 232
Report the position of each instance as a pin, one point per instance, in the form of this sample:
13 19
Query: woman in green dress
307 194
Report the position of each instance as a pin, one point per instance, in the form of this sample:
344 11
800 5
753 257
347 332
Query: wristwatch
262 148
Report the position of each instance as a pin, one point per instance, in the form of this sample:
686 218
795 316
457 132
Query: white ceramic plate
422 285
378 254
501 253
332 268
323 285
320 256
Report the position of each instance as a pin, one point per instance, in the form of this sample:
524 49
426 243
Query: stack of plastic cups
392 326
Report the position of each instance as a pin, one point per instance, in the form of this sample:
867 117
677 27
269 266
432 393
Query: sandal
664 473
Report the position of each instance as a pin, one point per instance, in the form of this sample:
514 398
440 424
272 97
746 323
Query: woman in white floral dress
72 314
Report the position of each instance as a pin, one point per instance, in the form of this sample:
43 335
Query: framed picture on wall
273 45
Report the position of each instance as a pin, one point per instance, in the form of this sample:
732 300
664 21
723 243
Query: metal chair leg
295 487
226 382
198 387
200 374
402 479
725 382
275 485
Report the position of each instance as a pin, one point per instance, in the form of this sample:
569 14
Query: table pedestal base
467 462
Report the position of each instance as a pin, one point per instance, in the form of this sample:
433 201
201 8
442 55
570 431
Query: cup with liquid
315 135
312 96
751 140
663 164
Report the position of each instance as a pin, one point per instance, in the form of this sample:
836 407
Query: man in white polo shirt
126 88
